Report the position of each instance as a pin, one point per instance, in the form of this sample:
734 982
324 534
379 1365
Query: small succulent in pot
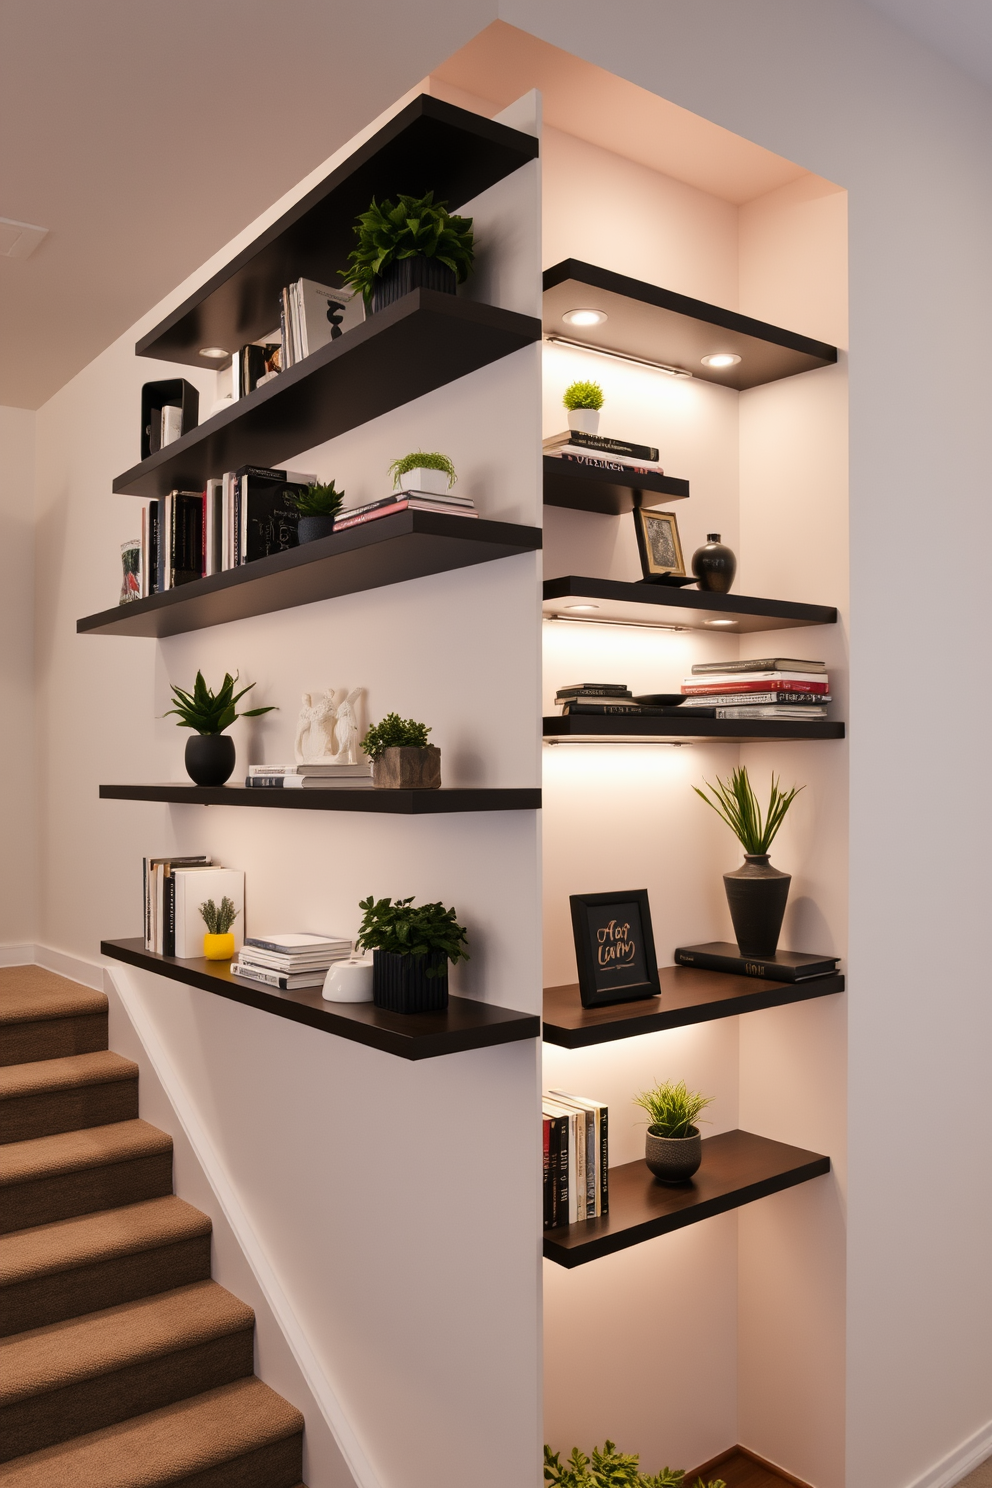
411 947
401 757
218 943
210 753
411 244
318 507
423 471
583 401
673 1145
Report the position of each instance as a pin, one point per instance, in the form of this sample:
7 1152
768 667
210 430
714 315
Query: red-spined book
780 683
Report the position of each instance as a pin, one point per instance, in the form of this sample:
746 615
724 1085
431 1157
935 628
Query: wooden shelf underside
605 728
609 492
466 1023
380 802
737 1168
691 609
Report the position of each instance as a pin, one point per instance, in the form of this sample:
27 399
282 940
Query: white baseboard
959 1463
16 955
89 973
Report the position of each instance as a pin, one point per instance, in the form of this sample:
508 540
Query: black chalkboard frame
596 988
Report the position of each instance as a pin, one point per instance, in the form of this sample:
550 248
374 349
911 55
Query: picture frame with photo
659 546
614 947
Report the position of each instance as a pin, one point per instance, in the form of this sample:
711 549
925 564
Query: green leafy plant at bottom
208 712
318 500
394 732
735 802
673 1109
219 921
583 395
611 1469
422 460
413 226
408 930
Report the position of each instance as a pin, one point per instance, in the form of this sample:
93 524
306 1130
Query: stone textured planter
673 1159
210 758
757 894
400 984
406 768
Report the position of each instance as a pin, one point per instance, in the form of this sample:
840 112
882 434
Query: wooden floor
740 1470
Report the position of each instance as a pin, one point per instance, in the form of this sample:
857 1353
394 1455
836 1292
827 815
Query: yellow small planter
219 947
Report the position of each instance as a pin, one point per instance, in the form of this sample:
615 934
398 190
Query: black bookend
175 392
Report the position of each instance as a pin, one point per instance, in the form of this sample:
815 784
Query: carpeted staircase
122 1365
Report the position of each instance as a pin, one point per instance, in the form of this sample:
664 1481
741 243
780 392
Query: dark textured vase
714 565
310 528
407 274
757 894
401 984
673 1159
209 758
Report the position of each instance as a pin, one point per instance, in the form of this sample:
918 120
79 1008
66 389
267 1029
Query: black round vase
406 274
714 565
757 895
209 758
311 528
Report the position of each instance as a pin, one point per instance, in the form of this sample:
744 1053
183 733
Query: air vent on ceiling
19 239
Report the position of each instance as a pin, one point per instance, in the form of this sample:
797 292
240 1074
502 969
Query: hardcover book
784 966
765 664
265 518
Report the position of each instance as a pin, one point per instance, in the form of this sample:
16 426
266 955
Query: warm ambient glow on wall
586 619
617 356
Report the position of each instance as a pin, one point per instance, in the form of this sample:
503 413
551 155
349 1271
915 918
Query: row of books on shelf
311 316
774 688
174 889
576 1158
604 453
310 777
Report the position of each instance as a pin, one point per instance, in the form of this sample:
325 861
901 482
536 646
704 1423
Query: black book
184 540
556 1201
565 694
266 518
784 966
571 709
612 446
155 557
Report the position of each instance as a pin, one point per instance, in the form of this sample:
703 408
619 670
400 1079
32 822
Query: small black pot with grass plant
756 892
210 753
673 1147
414 243
401 757
318 507
411 946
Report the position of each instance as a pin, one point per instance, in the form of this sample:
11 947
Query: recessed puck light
213 352
720 359
584 317
719 622
581 607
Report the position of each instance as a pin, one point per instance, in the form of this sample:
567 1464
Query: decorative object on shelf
313 315
350 980
318 507
658 546
416 244
611 1469
218 943
401 757
673 1144
210 753
169 409
756 892
411 947
324 723
714 565
131 566
614 947
583 401
432 474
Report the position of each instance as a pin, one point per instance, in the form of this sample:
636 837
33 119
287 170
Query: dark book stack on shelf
783 966
576 1159
601 699
602 453
775 688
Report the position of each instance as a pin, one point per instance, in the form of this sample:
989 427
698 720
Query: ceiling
960 30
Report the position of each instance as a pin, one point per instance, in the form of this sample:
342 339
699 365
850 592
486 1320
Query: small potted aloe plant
673 1146
431 473
583 401
318 507
411 946
756 892
415 243
210 752
218 943
401 757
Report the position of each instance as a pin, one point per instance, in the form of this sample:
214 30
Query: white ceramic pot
431 482
349 981
584 419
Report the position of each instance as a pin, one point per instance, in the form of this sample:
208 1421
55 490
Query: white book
604 457
725 679
747 700
194 886
779 715
213 514
288 944
594 1147
325 314
363 768
278 979
145 551
227 520
172 424
165 538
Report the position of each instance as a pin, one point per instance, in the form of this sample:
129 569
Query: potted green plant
411 946
611 1469
672 1146
423 471
414 244
218 943
583 401
210 752
756 892
318 507
401 757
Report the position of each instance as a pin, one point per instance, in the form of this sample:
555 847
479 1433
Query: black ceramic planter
673 1159
757 895
401 984
209 758
407 274
311 528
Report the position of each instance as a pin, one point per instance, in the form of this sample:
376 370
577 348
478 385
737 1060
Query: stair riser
48 1113
279 1465
53 1038
59 1415
52 1298
64 1195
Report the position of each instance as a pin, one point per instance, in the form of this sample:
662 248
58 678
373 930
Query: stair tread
74 1151
166 1445
68 1073
116 1338
30 993
66 1244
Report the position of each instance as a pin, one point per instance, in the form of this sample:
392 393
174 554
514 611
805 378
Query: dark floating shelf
381 802
688 995
466 1023
737 1168
418 343
658 325
611 492
389 550
655 604
429 146
606 728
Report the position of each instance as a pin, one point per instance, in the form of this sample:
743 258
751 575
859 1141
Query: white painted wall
18 858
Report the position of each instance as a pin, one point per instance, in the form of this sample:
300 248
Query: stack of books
603 453
784 966
174 889
289 962
772 687
576 1159
312 315
400 501
310 777
599 698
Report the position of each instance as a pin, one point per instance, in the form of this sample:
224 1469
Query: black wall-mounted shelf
737 1168
657 604
389 550
418 343
378 802
646 321
429 146
609 492
465 1024
688 995
603 729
